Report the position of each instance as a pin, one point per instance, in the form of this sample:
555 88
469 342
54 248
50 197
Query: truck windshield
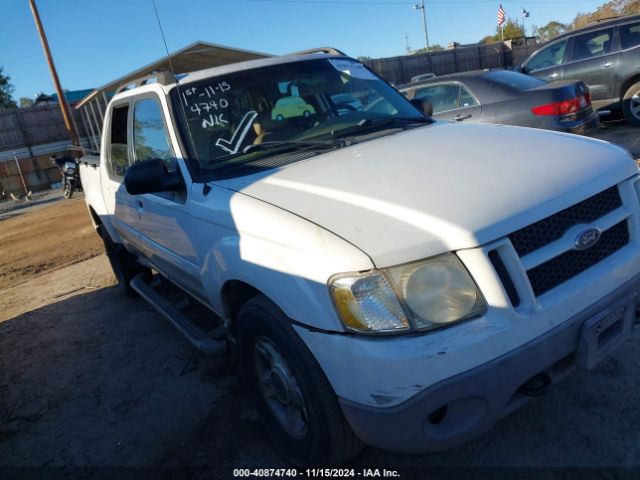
236 118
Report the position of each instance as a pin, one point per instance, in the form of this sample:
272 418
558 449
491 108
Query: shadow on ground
100 380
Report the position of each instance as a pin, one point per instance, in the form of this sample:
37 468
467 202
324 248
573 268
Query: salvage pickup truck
383 279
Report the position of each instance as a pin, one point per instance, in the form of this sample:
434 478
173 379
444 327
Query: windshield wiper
369 124
283 145
330 143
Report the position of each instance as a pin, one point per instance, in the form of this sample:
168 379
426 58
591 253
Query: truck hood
441 187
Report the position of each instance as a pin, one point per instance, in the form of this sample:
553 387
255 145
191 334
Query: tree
364 58
26 102
6 89
511 30
432 48
550 30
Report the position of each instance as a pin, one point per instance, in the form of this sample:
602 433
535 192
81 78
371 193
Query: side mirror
424 106
151 176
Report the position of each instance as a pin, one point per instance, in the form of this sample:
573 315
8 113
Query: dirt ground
91 378
35 240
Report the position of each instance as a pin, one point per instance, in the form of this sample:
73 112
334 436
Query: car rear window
514 80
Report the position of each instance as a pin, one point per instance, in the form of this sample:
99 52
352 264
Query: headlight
367 303
420 296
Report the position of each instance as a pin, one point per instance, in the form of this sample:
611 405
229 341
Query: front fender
286 257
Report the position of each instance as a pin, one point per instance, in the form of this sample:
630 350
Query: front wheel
294 399
631 104
67 190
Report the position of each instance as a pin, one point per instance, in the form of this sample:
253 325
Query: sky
96 41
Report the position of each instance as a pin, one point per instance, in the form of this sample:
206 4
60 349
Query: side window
442 97
466 99
551 56
630 35
592 44
150 139
119 149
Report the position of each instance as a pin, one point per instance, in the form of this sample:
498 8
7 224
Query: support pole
24 185
64 106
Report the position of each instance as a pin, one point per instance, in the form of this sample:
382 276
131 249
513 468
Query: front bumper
459 408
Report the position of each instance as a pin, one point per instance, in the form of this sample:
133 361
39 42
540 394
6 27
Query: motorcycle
70 175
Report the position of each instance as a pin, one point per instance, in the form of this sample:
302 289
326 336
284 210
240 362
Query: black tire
67 190
124 265
328 440
631 105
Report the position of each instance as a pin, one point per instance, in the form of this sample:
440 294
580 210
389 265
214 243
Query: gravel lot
90 378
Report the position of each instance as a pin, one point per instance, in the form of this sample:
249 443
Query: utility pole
420 6
64 106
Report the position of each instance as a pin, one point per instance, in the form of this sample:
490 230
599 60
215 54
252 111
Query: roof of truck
253 64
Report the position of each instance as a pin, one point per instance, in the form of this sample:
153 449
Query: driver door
164 218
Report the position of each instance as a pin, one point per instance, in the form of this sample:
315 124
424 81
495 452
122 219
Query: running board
145 287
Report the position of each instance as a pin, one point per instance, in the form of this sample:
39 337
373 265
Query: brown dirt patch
44 239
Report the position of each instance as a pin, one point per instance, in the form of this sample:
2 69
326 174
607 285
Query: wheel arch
627 83
233 295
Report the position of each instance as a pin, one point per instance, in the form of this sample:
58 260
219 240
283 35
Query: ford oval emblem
587 239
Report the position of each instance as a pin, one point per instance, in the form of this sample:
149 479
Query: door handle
462 116
553 75
607 65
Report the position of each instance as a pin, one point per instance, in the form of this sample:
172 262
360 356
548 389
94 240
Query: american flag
501 16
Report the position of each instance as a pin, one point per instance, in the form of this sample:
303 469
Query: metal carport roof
197 56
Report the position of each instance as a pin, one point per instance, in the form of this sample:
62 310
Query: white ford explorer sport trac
383 278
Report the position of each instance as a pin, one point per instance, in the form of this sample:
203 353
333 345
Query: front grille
505 278
552 273
552 228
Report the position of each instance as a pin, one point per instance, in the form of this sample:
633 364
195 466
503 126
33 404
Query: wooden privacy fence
38 174
399 70
32 135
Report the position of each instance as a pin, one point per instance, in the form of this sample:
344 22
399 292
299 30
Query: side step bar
198 337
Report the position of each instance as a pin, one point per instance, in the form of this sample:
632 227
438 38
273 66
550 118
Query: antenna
173 72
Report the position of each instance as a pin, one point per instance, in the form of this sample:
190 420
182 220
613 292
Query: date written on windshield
206 101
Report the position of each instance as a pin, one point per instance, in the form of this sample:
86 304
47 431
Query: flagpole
502 31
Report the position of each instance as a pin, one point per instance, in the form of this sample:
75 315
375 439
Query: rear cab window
118 158
514 80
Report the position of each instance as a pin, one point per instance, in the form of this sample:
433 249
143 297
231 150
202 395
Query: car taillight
564 107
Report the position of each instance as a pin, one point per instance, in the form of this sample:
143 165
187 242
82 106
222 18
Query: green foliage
613 8
550 30
6 89
26 102
432 48
512 29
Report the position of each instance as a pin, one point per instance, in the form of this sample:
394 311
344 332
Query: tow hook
536 386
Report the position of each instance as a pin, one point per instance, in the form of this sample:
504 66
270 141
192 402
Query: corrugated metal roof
197 56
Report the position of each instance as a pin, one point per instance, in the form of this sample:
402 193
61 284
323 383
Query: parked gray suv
605 55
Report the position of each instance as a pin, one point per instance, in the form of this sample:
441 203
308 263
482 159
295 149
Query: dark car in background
605 55
506 97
